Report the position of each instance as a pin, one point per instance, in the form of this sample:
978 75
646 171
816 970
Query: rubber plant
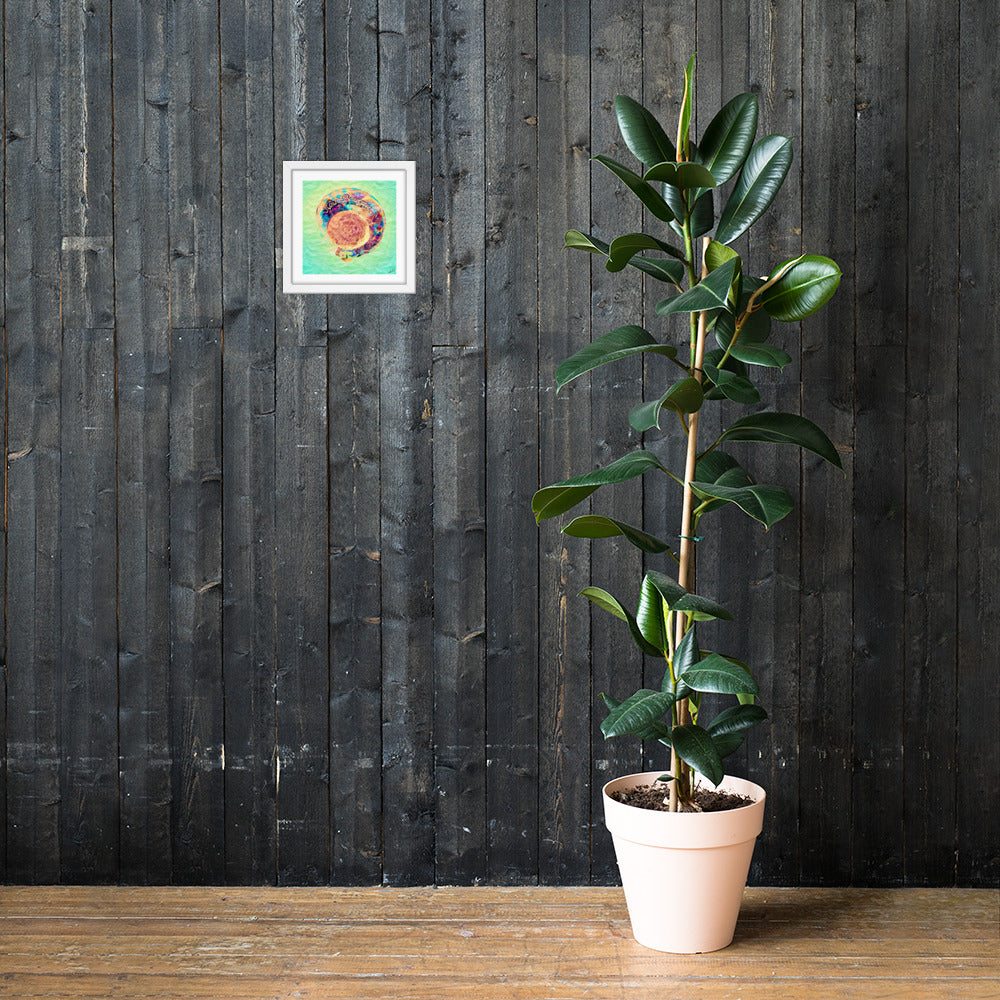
707 291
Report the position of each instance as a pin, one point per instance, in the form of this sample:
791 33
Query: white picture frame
326 258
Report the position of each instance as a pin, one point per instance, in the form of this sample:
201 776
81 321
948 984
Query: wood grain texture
564 450
567 943
978 703
881 323
355 569
407 495
195 682
248 442
284 616
142 342
459 410
511 331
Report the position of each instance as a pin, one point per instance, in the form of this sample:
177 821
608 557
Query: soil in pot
656 798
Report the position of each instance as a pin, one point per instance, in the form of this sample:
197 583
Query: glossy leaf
684 396
679 599
606 602
694 746
767 504
783 428
595 526
636 713
720 468
651 617
654 731
685 656
729 136
624 248
551 501
804 289
703 215
732 386
646 194
716 254
670 271
765 355
727 743
575 240
736 719
762 175
713 358
711 292
681 175
715 674
642 133
625 342
756 329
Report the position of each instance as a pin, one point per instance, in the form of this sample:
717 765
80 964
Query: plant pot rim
684 831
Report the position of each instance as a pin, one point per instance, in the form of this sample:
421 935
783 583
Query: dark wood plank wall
275 608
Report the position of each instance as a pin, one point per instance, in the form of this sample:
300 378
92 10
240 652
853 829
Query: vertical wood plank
354 523
301 477
458 283
193 113
978 711
142 289
827 500
31 178
248 440
512 443
880 439
563 328
88 702
87 271
929 764
407 470
196 710
615 300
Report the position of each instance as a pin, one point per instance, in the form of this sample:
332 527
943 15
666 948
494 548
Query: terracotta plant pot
683 873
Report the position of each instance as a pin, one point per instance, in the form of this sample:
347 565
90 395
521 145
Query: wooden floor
487 944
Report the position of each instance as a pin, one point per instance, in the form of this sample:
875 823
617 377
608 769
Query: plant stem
686 562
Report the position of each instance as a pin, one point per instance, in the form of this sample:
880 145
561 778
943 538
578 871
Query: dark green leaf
712 292
803 289
646 194
608 603
694 746
727 744
783 428
681 175
650 616
685 656
736 719
636 714
684 396
766 355
642 133
624 248
679 599
671 271
728 138
662 305
579 241
761 177
716 674
717 254
654 731
719 468
756 329
624 342
594 526
702 215
560 497
767 504
732 386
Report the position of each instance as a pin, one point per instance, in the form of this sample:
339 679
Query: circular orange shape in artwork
347 230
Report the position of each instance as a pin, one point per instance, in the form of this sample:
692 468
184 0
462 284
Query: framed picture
350 226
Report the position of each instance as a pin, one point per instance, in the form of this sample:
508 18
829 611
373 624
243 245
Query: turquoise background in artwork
318 256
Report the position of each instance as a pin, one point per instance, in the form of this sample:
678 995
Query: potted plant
684 864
